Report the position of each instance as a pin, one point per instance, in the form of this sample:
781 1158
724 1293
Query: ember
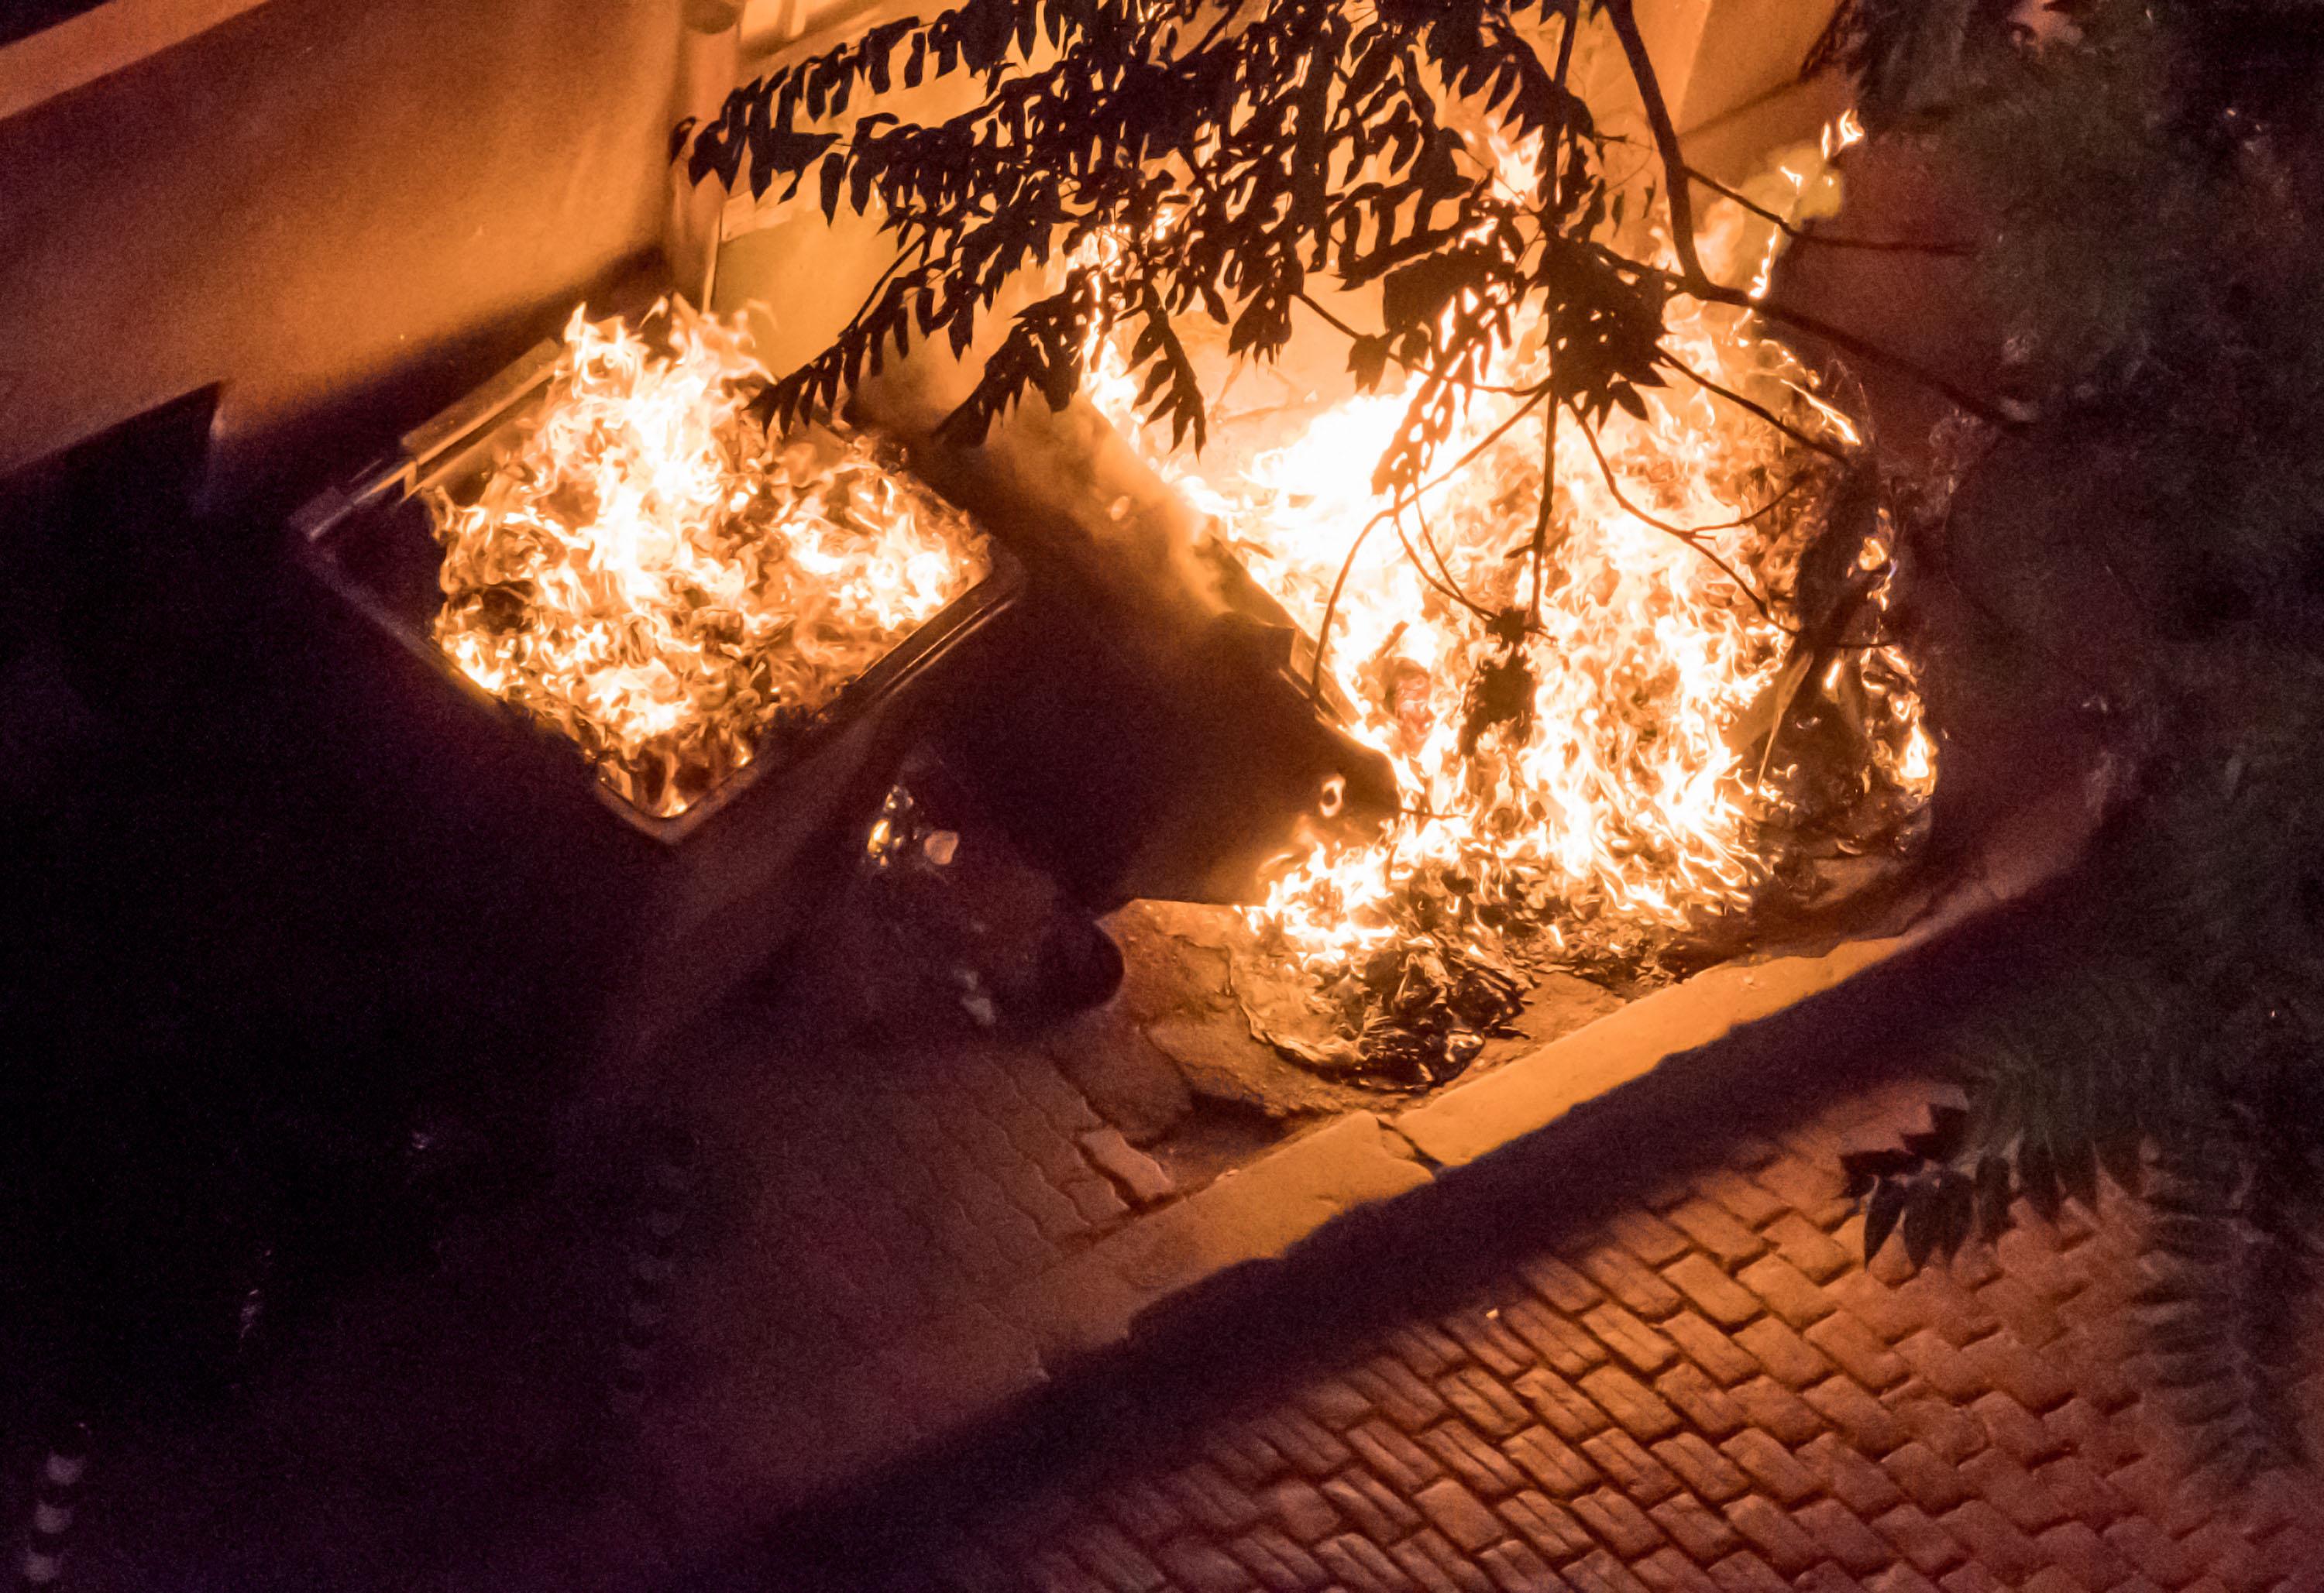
653 579
1585 799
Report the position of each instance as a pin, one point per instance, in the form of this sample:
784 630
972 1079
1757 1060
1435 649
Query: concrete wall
317 198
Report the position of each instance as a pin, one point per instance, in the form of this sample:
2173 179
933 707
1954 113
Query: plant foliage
2153 191
1231 158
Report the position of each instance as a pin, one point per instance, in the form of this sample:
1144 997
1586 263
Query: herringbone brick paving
1706 1390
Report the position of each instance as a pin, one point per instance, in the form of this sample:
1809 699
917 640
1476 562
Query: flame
647 574
1626 810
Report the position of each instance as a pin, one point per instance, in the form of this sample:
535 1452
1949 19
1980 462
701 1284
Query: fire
1623 803
649 575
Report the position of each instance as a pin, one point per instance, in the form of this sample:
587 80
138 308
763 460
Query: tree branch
1693 538
1680 198
1800 235
1755 408
1846 342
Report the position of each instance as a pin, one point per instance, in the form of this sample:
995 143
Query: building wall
316 199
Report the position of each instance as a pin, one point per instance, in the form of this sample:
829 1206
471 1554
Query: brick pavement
1697 1387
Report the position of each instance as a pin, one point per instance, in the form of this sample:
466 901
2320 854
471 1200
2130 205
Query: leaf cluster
1172 158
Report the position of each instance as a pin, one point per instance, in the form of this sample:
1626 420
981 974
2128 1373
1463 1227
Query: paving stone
1243 1455
1278 1562
1562 1343
1724 1238
1516 1568
1847 1475
1631 1467
1790 1359
1890 1315
1143 1511
1868 1424
1398 1461
1638 1346
1565 1408
1302 1511
1646 1236
2014 1429
1560 1285
1745 1573
1787 1291
1362 1566
1918 1538
2012 1489
1703 1468
1746 1202
2086 1496
1333 1403
1203 1567
2076 1548
1302 1440
1053 1572
1377 1512
1599 1572
1618 1522
1857 1351
1116 1562
1458 1513
1457 1447
1392 1389
1484 1400
1629 1281
1549 1460
1546 1525
1809 1187
1436 1565
2023 1310
1817 1254
1636 1407
1712 1292
1146 1180
1713 1349
1771 1465
1425 1348
1943 1428
1703 1403
2034 1380
1777 1410
1667 1571
1703 1533
1772 1534
1488 1342
1996 1544
1710 1392
1209 1499
1930 1481
1841 1534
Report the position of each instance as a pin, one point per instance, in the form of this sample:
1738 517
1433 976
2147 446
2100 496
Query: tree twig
1332 603
1801 234
1658 118
1754 407
1693 538
1846 342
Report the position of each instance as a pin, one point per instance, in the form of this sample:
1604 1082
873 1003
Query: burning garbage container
628 675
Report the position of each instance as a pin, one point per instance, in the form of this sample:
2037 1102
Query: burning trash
649 575
1588 729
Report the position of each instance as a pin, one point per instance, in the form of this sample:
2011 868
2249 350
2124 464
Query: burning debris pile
1673 715
653 578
